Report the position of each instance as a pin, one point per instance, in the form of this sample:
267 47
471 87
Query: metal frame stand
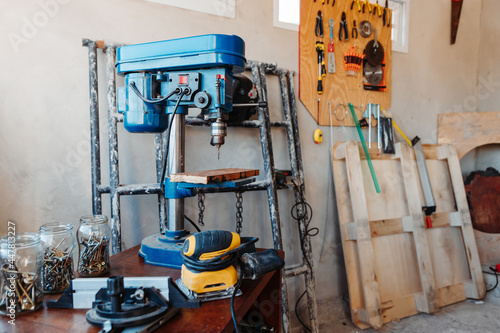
259 71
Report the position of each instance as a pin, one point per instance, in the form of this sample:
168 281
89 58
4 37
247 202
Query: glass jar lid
21 240
56 228
97 219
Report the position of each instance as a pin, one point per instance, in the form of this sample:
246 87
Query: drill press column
175 216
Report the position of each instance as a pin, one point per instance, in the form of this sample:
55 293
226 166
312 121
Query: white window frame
276 18
224 8
401 40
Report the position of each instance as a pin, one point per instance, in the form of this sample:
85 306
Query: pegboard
339 88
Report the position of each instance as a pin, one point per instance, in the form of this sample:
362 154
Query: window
400 24
287 14
224 8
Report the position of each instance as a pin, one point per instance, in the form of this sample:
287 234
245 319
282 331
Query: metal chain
239 211
201 207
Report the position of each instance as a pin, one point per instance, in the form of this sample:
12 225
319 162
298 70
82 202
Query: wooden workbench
212 316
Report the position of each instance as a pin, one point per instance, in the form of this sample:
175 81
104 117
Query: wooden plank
350 251
386 227
428 301
398 308
430 152
213 176
450 153
395 226
365 248
451 294
468 130
338 87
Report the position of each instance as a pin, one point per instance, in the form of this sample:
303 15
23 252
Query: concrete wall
44 126
488 93
489 52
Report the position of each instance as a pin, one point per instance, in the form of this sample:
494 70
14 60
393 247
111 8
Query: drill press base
164 250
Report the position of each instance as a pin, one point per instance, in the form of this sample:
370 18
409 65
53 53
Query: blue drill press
162 80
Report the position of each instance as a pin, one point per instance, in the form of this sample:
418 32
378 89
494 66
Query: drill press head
193 72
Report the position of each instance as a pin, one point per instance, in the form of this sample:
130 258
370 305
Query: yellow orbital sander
215 262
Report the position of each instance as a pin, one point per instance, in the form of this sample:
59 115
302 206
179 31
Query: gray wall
488 96
44 125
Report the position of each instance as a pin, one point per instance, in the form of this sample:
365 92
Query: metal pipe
114 174
95 148
258 73
296 270
290 112
162 210
175 163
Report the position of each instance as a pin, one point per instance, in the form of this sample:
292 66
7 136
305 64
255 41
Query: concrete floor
467 316
461 317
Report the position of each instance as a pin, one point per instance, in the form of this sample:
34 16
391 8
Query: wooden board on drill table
213 176
396 267
338 88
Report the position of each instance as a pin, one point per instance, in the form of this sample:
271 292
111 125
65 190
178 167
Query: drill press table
261 299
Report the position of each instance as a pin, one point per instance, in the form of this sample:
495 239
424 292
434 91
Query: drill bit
218 152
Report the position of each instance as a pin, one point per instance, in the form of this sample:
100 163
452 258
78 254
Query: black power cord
233 296
152 101
495 272
162 179
303 211
192 223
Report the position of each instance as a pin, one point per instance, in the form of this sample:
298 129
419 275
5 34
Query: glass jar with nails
93 241
22 260
59 244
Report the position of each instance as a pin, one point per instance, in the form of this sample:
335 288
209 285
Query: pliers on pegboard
377 10
343 26
358 3
354 30
387 14
319 24
368 6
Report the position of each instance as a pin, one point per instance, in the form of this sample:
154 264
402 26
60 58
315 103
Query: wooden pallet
396 267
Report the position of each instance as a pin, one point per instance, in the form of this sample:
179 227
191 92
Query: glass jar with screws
59 243
93 240
22 260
